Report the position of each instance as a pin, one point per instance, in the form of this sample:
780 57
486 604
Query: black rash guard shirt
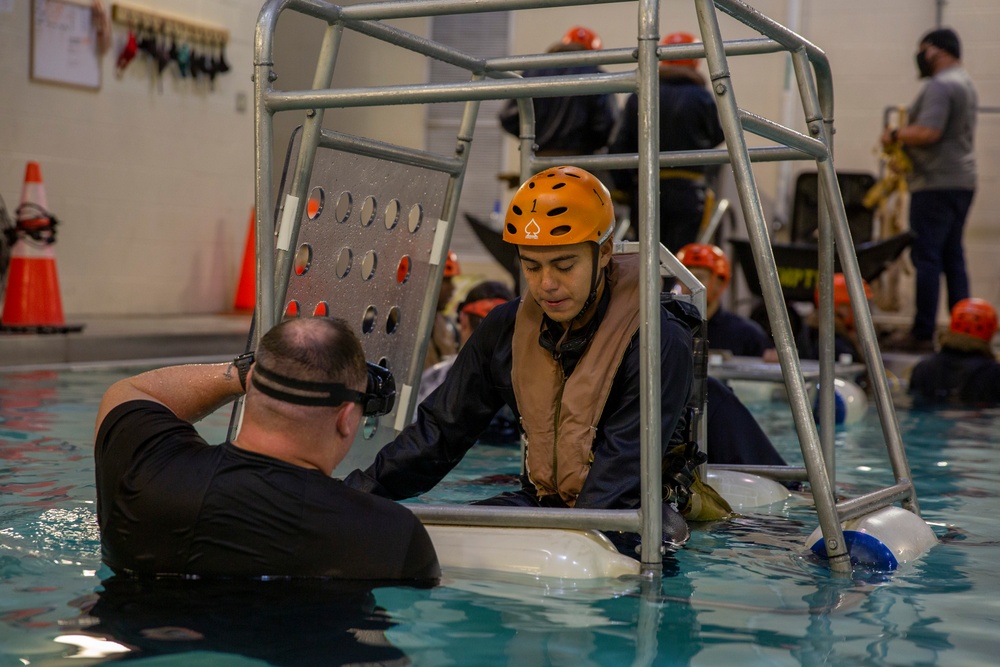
170 503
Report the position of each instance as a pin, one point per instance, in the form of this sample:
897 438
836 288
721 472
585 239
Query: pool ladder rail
289 272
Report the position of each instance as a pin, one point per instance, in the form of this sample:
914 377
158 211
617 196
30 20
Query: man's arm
191 392
928 126
450 419
912 135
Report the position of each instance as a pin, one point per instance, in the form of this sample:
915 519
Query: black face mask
923 65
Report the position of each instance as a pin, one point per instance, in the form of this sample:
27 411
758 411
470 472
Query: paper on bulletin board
63 43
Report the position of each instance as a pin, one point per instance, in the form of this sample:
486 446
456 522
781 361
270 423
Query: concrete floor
114 339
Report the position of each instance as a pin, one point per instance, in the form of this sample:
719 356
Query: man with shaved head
263 504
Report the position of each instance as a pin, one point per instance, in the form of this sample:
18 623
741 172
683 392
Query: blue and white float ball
850 402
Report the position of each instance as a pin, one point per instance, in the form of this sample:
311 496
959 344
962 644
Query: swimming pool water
741 592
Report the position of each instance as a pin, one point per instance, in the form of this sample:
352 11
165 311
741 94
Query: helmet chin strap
594 280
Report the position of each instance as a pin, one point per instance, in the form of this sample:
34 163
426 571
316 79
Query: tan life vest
560 415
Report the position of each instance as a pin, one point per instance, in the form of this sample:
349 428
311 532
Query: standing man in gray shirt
939 141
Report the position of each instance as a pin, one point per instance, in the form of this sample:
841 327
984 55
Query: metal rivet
720 88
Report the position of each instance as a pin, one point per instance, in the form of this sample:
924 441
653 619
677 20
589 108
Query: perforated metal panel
363 253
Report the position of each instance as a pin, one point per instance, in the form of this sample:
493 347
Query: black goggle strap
328 394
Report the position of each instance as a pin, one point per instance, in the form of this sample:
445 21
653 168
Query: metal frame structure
497 79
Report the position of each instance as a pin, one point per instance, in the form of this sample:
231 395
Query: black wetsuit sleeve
614 478
451 419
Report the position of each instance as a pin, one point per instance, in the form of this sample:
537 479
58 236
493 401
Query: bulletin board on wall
63 44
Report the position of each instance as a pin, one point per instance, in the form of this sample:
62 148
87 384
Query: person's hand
888 136
770 356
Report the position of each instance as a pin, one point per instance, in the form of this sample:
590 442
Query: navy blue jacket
579 125
740 335
451 419
956 377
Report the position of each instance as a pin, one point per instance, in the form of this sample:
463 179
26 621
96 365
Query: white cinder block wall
154 188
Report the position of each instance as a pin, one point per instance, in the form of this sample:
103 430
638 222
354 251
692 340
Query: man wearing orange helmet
734 436
577 125
845 340
726 330
964 371
473 309
565 359
689 120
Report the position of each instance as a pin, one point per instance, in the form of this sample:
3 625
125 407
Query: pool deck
110 339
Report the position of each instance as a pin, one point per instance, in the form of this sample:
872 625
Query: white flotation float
577 554
881 540
744 491
850 400
536 552
754 380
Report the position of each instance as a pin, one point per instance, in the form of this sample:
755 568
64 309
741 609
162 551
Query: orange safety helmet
482 307
560 206
451 265
974 317
708 256
585 37
841 297
680 38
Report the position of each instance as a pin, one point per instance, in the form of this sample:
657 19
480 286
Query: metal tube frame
495 79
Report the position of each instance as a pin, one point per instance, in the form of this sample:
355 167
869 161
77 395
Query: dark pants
937 218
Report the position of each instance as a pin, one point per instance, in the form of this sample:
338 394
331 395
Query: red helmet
482 307
974 317
840 294
585 37
451 265
679 38
841 297
708 256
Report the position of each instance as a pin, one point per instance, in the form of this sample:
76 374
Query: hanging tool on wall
197 49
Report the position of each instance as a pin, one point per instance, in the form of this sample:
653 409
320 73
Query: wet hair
488 289
315 349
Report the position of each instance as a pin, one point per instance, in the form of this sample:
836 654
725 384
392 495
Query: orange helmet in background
974 317
585 37
560 206
708 256
679 38
451 268
841 298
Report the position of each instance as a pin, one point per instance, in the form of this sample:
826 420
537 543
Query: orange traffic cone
246 290
32 301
